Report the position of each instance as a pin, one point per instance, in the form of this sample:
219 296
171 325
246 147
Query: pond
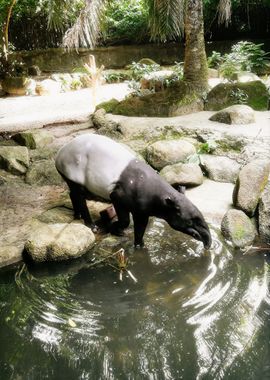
190 315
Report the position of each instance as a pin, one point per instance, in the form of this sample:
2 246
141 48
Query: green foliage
205 148
138 70
124 20
239 96
214 60
244 56
10 67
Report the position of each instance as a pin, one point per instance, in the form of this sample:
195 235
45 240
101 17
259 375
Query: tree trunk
6 27
195 66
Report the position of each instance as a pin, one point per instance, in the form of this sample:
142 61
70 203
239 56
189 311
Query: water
190 315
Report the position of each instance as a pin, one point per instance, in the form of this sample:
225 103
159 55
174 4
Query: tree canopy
42 23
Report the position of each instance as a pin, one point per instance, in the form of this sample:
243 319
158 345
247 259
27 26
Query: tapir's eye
189 223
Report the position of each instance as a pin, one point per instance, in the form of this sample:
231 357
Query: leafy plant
140 69
207 147
214 60
239 96
244 56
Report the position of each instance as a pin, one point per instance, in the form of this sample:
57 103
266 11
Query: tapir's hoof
139 245
116 230
93 227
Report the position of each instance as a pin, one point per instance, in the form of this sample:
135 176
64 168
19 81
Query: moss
239 231
172 101
226 94
230 145
108 106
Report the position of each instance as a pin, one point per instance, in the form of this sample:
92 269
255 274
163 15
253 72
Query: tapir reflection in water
107 169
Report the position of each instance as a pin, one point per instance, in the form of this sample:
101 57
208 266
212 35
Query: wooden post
95 76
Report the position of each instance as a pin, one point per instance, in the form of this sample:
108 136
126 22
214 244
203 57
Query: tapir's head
182 215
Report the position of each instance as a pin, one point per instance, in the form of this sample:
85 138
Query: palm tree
167 19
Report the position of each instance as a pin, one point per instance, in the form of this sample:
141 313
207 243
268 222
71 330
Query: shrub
244 56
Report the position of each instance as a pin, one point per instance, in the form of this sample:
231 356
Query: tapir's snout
202 233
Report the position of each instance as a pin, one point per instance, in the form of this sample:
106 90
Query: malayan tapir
107 169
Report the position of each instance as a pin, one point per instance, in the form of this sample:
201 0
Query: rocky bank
225 168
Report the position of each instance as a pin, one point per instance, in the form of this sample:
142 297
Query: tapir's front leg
117 228
140 224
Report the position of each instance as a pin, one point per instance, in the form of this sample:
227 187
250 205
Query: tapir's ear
169 202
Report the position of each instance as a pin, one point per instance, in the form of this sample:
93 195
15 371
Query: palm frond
224 11
56 11
166 19
85 30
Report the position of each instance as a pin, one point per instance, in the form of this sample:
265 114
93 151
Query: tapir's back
93 161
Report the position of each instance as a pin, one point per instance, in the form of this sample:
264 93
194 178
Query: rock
254 94
48 87
219 168
108 106
175 100
147 61
156 80
34 139
43 172
15 85
57 242
183 174
237 114
130 129
264 215
250 184
213 73
48 152
168 152
245 76
57 215
14 159
104 124
10 254
238 228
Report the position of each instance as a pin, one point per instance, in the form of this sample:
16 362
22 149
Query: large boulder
237 114
168 152
57 242
183 174
34 139
238 228
250 184
15 85
48 87
156 80
14 159
245 76
219 168
264 215
254 94
43 172
175 100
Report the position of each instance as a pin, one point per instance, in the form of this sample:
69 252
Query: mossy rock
108 106
147 61
238 228
33 139
43 173
173 101
224 95
15 85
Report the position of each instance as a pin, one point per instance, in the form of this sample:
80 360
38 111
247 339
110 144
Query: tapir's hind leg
78 200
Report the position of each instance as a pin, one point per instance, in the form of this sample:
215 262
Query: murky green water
189 316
